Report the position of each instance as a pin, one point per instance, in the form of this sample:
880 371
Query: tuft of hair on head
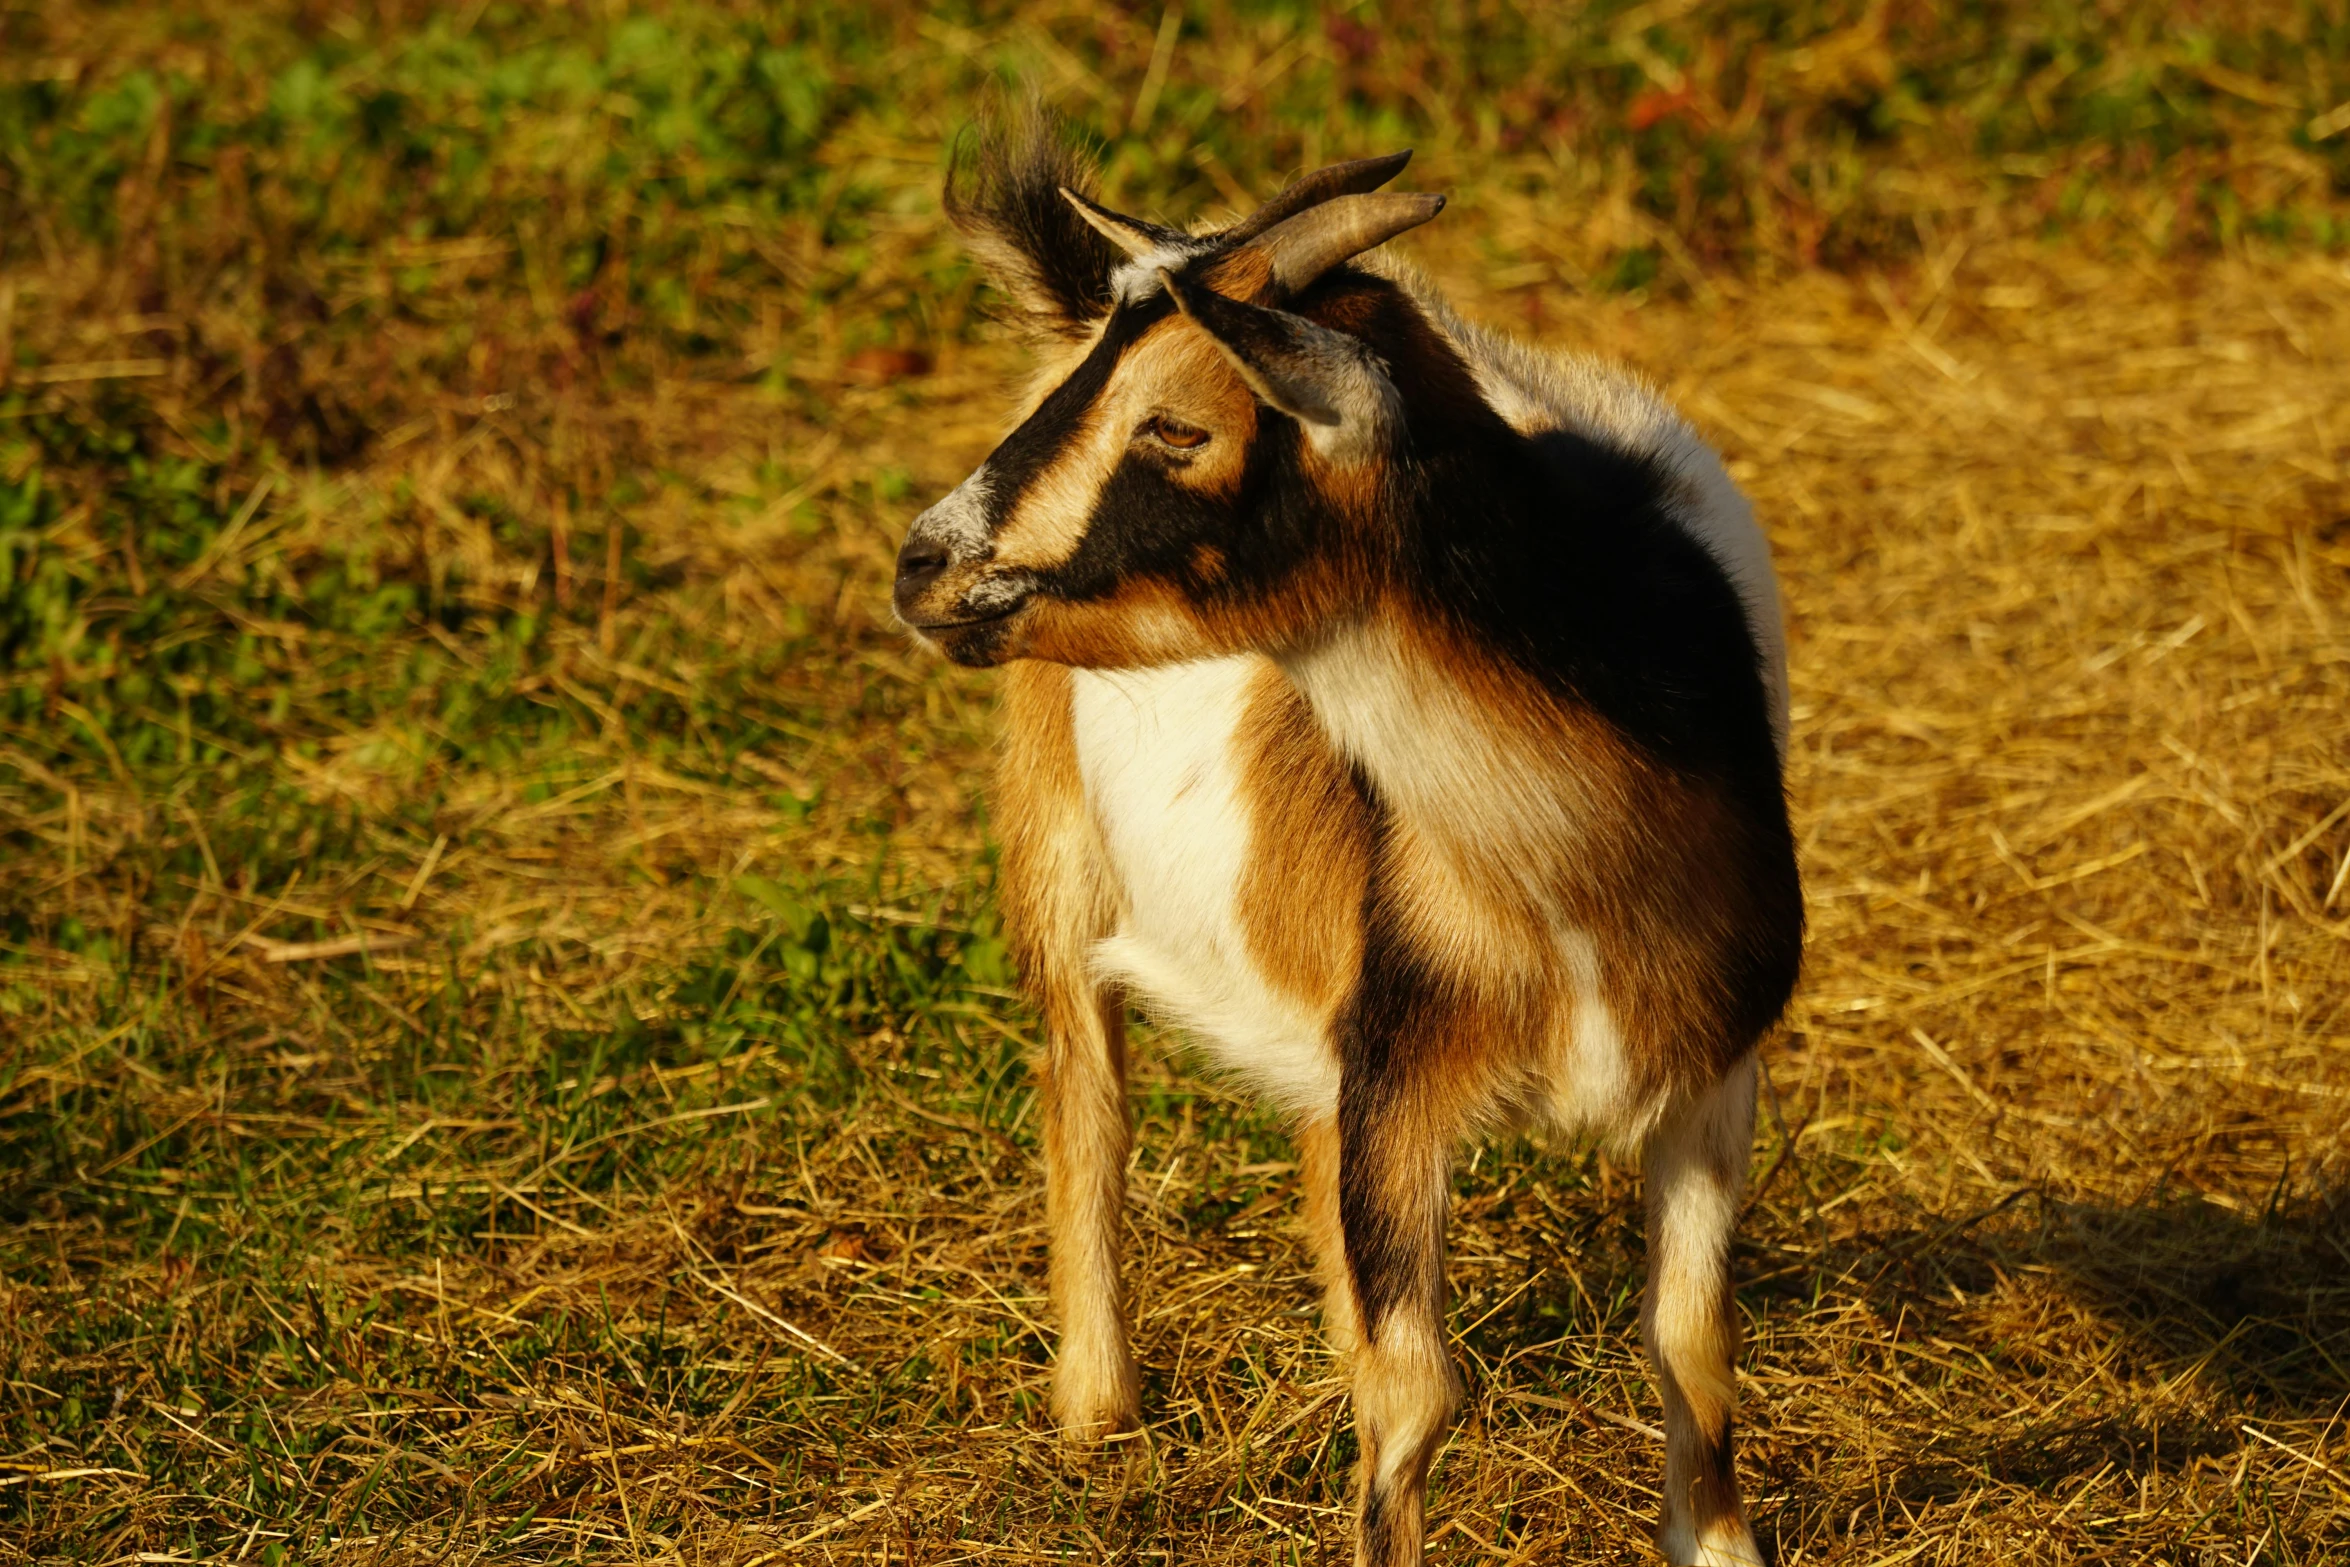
1003 192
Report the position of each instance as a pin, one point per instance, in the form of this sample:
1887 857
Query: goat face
1203 474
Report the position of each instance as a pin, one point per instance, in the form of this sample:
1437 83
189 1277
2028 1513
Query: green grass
448 459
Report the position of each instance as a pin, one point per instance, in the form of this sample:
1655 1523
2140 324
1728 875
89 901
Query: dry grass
2052 1269
658 1183
2046 1262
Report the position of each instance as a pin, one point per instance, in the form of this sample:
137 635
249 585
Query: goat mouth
931 628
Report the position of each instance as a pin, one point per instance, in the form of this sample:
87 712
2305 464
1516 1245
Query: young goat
1399 711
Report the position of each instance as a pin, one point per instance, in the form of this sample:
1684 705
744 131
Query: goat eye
1174 432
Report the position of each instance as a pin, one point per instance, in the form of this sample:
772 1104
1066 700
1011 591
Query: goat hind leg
1695 1170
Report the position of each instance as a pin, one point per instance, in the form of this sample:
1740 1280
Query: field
505 1052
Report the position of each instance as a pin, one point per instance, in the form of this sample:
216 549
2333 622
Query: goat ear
1131 235
1330 383
1004 192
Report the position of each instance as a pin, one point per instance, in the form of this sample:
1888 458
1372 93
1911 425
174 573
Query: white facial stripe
959 519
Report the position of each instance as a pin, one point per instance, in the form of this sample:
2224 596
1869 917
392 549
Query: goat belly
1166 755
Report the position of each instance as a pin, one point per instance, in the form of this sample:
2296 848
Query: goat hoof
1091 1409
1722 1545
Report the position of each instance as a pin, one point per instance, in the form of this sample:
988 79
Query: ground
504 1048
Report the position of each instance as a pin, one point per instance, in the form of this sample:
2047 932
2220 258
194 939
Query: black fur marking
1384 1248
1379 1522
1721 1457
977 646
1147 524
1394 1246
1003 189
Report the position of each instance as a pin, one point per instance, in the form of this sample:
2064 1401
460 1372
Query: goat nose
919 565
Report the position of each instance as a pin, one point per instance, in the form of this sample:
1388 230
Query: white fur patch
1137 280
1696 1169
1157 751
1723 1545
1590 1079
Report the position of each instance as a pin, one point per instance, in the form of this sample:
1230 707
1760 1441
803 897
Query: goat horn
1311 190
1340 229
1131 235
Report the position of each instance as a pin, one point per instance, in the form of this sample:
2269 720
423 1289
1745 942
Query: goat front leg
1058 901
1695 1171
1392 1191
1096 1391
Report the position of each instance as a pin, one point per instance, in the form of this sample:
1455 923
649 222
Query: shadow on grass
2255 1308
2147 1356
2121 1379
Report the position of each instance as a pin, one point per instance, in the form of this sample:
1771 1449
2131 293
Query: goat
1398 710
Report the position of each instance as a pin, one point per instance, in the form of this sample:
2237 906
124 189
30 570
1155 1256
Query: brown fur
1317 1159
1149 621
1246 274
1145 622
1301 900
1656 910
